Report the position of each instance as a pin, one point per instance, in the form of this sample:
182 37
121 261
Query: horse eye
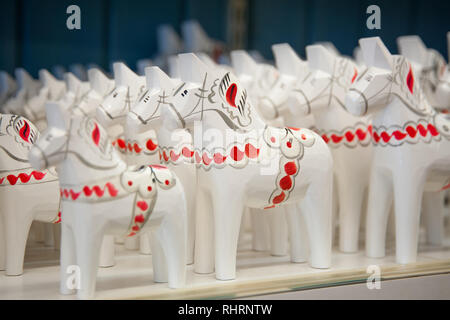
185 91
114 94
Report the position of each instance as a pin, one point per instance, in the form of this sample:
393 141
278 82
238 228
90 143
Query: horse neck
7 161
396 112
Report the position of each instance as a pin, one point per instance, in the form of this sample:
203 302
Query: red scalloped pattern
23 177
348 135
360 134
89 191
410 131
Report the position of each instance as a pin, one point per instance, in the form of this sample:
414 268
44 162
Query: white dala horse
412 147
26 194
323 95
233 175
145 118
258 79
112 113
100 195
432 71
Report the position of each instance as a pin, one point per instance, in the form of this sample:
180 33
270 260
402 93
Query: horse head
258 78
129 87
146 113
331 77
17 136
293 71
429 67
69 134
211 95
387 77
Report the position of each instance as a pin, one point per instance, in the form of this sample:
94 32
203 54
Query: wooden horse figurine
430 69
112 114
269 231
145 117
258 166
100 195
323 95
26 194
412 147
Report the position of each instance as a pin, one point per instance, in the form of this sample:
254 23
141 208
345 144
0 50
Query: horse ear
192 69
358 56
206 59
47 78
243 63
375 53
123 75
156 78
320 58
174 69
57 115
99 82
72 82
286 59
24 79
413 49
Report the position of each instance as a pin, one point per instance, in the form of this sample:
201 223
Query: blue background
33 33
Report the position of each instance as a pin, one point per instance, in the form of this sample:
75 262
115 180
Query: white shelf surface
258 273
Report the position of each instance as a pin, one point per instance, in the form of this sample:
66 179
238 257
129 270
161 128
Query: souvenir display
210 163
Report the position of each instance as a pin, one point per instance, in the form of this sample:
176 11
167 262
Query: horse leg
351 193
132 243
2 243
190 187
316 209
408 191
107 251
378 209
204 233
433 205
297 234
57 235
49 239
88 235
67 259
227 221
159 260
173 235
17 222
260 230
278 232
145 243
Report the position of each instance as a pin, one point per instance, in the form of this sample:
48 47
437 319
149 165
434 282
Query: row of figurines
318 136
